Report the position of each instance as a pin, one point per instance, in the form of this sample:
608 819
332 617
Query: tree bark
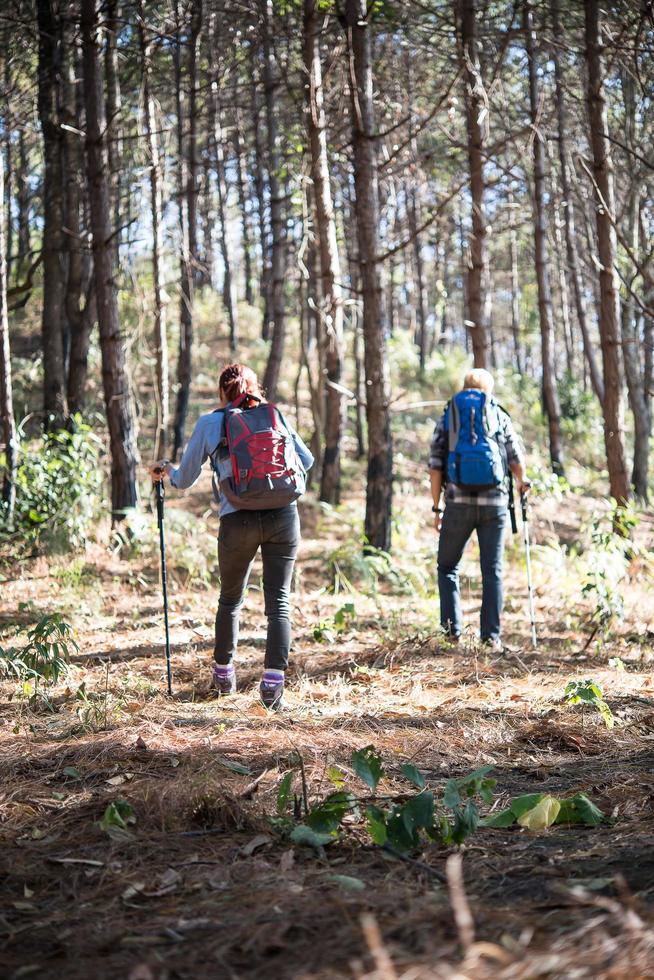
53 247
331 312
188 194
115 378
609 307
277 210
571 245
549 385
155 179
6 398
476 110
380 455
259 170
112 15
217 140
245 228
515 288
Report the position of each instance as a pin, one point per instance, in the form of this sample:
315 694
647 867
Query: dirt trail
203 886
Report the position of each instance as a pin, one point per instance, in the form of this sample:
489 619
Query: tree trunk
277 210
217 140
330 267
112 15
413 214
53 247
155 179
6 398
115 378
258 170
515 288
245 228
380 455
569 215
631 351
550 390
23 202
609 308
476 110
188 195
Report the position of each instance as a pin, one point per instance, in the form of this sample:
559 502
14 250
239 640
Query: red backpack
256 465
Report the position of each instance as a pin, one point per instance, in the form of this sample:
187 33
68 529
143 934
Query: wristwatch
437 510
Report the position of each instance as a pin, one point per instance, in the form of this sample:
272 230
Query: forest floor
203 884
204 881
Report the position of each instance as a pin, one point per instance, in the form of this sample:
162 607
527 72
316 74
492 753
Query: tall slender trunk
53 247
112 14
155 181
188 195
413 214
206 215
380 453
258 171
476 111
217 140
631 352
330 266
9 179
569 214
550 390
609 307
23 201
515 288
73 149
115 377
271 84
6 397
245 228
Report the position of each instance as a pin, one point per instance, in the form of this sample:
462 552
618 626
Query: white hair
481 379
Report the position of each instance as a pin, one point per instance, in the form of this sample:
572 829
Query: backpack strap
454 425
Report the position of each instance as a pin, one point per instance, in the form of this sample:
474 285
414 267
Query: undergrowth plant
57 491
588 693
405 822
607 560
45 657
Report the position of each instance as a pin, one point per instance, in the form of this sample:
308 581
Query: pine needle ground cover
143 837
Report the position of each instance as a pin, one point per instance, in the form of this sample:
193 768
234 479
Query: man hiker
472 450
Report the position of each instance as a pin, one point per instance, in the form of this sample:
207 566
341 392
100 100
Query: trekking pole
164 577
525 533
514 523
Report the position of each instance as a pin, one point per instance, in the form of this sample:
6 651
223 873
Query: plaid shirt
497 497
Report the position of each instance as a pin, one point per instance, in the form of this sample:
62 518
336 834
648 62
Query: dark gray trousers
277 533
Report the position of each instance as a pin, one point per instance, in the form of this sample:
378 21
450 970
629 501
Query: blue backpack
476 458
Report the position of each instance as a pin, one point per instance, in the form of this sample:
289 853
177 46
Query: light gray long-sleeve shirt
208 433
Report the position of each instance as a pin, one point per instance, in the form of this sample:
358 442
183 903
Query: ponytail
238 379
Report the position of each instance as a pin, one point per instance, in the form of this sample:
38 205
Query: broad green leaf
368 766
326 817
71 772
310 838
543 815
117 814
503 818
284 791
418 812
376 823
466 822
233 766
579 809
414 775
521 804
336 777
451 796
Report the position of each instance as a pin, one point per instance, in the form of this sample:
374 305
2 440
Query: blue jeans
277 533
459 521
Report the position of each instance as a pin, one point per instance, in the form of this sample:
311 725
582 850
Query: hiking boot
271 693
493 645
223 682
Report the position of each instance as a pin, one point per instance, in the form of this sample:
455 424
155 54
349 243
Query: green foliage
57 489
117 815
46 654
190 545
327 630
535 811
356 566
588 693
368 765
611 549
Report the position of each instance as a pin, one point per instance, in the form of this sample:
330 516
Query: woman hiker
257 493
